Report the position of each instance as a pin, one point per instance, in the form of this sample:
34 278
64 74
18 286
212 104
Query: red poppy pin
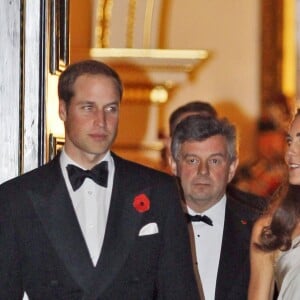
141 203
244 222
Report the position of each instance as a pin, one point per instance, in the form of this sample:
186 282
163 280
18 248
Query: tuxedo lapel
234 257
121 230
54 208
193 252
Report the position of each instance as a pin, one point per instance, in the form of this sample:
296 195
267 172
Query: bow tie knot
99 174
199 218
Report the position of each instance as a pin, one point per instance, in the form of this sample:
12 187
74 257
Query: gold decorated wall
236 78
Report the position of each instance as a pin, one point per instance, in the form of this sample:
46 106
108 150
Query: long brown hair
286 214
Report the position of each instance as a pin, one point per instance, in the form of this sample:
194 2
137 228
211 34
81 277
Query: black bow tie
199 218
77 175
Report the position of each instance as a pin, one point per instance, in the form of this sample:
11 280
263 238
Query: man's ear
62 110
232 169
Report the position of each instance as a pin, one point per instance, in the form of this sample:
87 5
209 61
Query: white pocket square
149 229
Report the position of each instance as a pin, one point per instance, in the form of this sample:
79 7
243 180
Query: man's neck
85 161
202 206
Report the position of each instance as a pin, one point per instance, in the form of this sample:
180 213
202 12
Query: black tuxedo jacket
43 252
234 265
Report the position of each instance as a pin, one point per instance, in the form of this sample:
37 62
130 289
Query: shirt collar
216 213
65 160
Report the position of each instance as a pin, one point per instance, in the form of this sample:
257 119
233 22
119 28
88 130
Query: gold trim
106 23
99 17
55 145
130 23
148 23
271 51
148 53
165 67
103 19
98 27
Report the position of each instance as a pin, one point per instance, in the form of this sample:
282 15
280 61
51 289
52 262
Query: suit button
135 279
53 283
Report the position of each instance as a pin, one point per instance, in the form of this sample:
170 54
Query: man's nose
203 168
100 118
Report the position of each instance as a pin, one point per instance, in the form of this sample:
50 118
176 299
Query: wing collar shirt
91 204
208 242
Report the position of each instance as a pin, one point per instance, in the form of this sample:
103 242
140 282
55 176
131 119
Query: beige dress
287 272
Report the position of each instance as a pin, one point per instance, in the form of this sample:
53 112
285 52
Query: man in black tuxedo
205 109
90 225
205 158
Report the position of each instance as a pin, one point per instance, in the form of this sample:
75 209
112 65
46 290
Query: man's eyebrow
113 103
86 102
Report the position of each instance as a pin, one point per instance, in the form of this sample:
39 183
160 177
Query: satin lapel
53 205
121 230
234 252
194 255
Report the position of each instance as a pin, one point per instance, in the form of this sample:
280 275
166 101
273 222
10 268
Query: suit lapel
235 249
121 229
194 254
54 208
53 205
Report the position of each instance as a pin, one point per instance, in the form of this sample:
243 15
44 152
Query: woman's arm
261 284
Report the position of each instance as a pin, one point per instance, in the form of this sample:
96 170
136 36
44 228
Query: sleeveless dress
287 272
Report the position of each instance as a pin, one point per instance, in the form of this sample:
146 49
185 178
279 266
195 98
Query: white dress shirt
208 242
91 204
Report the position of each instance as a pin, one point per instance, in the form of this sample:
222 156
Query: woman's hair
286 214
285 211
